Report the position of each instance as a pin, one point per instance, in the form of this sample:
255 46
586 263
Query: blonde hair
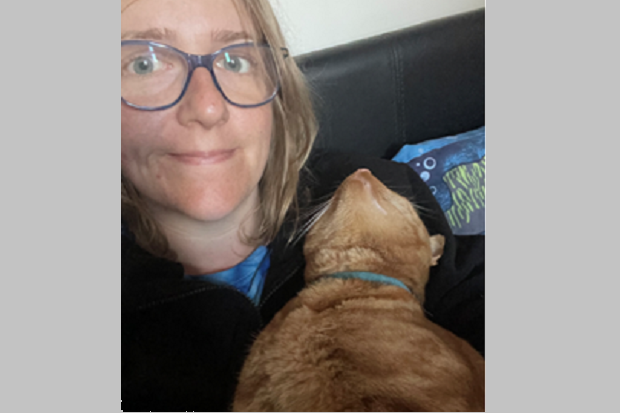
294 132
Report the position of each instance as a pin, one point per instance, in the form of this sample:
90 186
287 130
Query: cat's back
348 346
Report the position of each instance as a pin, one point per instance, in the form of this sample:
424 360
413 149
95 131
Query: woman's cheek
139 131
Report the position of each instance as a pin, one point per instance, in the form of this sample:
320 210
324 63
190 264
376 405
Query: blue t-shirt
247 277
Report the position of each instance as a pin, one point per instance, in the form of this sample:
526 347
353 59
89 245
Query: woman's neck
210 247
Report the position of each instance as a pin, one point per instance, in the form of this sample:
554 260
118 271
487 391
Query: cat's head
369 228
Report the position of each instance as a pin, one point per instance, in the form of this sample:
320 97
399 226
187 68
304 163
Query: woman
216 129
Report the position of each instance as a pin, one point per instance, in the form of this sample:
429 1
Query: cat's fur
356 345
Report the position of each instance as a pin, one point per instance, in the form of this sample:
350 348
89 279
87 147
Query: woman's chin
216 209
205 213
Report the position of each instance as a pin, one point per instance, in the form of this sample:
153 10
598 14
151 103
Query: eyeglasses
156 76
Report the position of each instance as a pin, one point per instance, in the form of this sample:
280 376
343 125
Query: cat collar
368 276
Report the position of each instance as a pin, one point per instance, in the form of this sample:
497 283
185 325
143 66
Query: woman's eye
235 64
145 65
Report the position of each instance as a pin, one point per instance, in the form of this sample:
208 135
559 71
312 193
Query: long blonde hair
294 132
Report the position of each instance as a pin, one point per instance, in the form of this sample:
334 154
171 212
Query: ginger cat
358 345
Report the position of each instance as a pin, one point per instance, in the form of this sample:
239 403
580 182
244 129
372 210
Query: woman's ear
438 242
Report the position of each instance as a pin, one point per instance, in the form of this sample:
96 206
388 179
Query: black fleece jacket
184 342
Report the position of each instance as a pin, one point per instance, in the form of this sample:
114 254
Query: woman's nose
203 103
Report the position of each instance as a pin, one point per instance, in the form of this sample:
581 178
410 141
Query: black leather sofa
425 82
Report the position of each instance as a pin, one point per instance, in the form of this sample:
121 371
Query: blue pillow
455 170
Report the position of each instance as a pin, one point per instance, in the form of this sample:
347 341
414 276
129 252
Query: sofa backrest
425 82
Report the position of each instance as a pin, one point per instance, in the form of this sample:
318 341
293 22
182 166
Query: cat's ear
438 242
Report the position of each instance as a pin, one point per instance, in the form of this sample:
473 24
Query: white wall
311 25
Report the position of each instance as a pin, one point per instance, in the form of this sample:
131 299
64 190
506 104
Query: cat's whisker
419 208
314 219
309 212
318 212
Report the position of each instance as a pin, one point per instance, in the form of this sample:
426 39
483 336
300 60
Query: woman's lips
203 158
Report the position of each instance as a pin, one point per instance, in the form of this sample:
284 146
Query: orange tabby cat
358 345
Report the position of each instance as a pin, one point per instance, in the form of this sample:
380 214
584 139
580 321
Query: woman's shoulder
327 170
338 165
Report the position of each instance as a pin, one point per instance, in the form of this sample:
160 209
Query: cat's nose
364 176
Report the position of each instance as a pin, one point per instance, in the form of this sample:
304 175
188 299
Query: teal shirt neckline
248 277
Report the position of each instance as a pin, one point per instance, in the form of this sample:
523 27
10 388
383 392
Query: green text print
467 184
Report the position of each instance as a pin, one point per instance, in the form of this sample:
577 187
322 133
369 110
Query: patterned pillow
455 170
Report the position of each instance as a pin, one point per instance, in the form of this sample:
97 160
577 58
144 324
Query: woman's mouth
203 158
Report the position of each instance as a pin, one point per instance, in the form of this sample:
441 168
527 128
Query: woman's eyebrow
150 34
229 36
159 34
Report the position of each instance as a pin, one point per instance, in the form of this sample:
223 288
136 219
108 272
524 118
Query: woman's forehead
183 21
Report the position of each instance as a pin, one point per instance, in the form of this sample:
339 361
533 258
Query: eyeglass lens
154 77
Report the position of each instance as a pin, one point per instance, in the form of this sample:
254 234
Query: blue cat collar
368 276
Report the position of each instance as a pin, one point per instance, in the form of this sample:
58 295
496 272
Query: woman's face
204 157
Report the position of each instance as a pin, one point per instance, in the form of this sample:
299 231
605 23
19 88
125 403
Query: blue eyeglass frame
197 61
